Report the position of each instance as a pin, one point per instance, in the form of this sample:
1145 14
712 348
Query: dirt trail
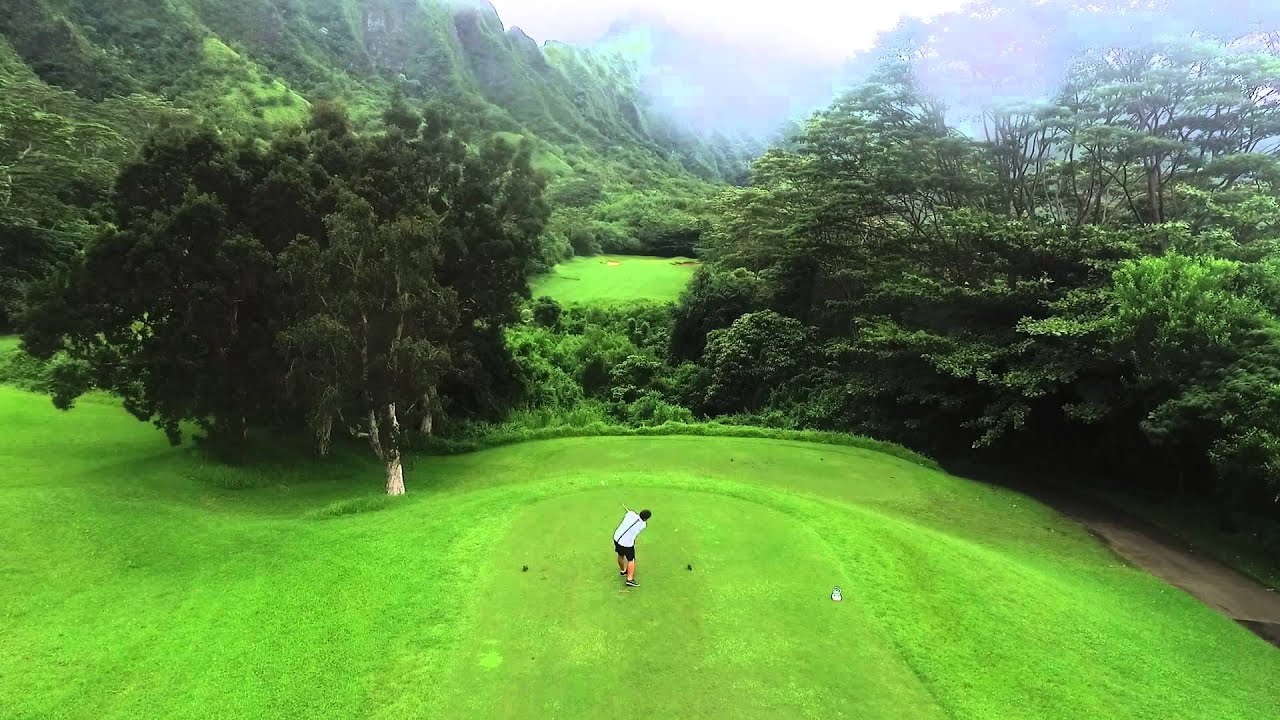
1240 598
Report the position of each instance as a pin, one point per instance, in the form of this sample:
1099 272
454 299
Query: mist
1019 51
738 68
802 31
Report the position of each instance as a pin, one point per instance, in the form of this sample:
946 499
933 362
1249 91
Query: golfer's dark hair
645 514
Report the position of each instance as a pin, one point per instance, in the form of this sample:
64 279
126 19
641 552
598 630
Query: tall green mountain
457 50
84 82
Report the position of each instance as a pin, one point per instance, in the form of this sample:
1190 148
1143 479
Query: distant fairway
135 584
616 278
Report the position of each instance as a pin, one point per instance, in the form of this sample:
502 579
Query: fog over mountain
806 31
728 67
735 70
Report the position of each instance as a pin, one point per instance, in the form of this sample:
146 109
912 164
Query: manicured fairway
134 584
616 278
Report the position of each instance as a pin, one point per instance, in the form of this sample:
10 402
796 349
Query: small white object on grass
835 595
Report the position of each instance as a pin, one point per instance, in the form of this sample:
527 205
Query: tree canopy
1093 271
326 277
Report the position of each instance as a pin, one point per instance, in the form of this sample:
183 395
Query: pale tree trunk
1154 194
375 435
395 476
428 413
391 450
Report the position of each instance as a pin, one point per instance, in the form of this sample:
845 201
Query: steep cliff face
83 83
456 50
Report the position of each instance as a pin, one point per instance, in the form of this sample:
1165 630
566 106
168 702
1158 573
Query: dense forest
84 84
328 219
1088 285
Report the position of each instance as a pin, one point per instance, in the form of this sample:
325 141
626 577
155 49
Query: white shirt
628 529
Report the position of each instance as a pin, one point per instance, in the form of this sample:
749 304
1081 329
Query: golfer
624 542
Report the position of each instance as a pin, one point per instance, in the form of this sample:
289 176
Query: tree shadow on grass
275 473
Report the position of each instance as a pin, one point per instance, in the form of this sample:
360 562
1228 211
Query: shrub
579 192
553 249
584 243
650 409
23 371
760 353
546 312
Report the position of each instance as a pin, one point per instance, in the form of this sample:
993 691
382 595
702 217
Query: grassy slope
245 92
133 584
594 280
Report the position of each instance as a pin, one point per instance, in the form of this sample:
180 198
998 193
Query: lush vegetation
152 581
1097 272
84 84
615 279
1100 272
305 233
328 278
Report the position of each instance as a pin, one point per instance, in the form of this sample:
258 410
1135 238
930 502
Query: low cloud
814 30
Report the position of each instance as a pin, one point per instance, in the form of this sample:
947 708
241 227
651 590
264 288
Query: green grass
543 160
135 583
607 279
245 92
547 424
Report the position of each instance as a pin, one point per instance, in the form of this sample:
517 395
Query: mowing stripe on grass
135 583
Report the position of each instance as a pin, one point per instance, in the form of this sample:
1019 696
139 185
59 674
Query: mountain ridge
84 84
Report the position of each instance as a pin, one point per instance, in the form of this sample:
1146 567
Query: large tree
176 307
1096 270
372 325
328 277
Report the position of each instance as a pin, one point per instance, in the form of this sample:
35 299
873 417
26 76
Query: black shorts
626 552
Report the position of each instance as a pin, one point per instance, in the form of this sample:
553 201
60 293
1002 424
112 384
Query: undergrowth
20 369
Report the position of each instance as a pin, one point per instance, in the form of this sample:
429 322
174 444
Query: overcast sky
816 29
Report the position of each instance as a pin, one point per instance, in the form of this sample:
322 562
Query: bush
713 301
768 418
687 386
23 371
553 249
546 366
600 349
584 243
547 312
578 192
648 410
755 357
